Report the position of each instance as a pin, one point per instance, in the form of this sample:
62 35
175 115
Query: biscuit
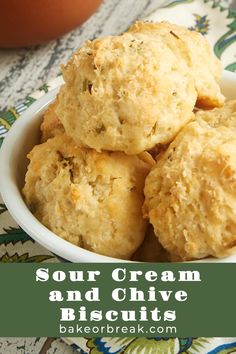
125 93
194 48
219 118
190 194
91 199
51 125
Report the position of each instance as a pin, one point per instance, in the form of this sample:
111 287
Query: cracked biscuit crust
195 50
220 118
125 93
91 199
191 191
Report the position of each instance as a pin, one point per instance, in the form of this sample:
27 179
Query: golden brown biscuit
194 48
125 93
151 250
51 125
191 191
223 117
91 199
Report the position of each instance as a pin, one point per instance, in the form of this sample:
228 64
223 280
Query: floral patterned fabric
213 19
156 345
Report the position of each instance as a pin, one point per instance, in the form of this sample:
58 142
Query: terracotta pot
28 22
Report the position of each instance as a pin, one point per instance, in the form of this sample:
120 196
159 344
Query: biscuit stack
124 97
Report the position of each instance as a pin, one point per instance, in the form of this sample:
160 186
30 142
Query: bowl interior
20 140
26 136
19 157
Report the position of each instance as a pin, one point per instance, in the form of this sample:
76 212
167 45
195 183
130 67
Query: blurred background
25 69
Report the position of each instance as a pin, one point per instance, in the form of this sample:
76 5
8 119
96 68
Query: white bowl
23 135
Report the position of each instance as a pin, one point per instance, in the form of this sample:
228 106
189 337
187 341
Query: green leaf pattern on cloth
23 258
158 345
14 235
213 19
202 24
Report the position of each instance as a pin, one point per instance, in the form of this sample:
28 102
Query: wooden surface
24 70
